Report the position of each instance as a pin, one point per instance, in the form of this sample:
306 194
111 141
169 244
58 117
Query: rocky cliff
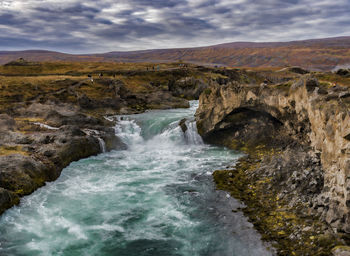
297 135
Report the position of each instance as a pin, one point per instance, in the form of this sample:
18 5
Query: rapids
155 198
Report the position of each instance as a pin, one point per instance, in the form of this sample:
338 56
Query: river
155 198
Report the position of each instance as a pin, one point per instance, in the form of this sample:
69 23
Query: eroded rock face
7 199
306 114
41 140
188 87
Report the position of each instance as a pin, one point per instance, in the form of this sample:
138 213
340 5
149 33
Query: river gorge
117 166
155 198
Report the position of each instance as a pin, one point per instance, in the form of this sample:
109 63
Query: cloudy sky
89 26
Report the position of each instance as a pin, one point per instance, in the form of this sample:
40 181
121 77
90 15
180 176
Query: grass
46 80
333 79
79 68
9 150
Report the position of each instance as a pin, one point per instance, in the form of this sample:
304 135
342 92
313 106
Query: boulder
298 70
183 125
343 72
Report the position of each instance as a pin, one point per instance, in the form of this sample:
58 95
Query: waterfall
157 197
128 131
97 135
102 144
131 133
191 134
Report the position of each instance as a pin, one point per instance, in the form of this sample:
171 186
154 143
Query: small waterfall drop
102 144
155 198
191 134
128 131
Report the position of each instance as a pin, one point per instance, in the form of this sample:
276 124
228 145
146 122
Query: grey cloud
76 9
158 3
108 25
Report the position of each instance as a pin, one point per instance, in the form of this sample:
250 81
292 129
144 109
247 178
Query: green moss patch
289 232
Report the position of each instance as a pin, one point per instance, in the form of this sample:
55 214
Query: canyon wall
304 115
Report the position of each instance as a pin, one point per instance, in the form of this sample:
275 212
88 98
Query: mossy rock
270 215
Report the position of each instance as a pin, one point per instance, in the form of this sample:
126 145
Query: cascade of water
102 144
128 131
155 198
191 134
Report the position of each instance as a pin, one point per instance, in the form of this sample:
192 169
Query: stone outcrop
343 72
306 122
40 140
188 87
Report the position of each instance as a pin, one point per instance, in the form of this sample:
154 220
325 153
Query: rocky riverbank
53 114
295 177
293 126
39 141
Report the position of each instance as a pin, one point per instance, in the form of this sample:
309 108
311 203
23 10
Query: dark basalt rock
7 199
297 147
298 70
343 72
21 174
183 125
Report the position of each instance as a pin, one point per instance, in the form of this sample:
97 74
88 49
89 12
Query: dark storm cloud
98 26
157 3
76 9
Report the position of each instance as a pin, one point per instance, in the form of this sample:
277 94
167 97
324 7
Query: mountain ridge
314 54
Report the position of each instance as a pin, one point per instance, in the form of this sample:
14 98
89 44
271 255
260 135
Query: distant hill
314 54
41 56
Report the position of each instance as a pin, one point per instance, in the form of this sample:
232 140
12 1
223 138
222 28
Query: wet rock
7 199
183 125
77 148
22 174
113 142
301 142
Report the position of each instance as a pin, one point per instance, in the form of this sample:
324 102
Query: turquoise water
156 198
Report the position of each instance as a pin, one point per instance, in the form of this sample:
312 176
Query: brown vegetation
321 54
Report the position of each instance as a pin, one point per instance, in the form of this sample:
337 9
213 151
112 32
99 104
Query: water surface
156 198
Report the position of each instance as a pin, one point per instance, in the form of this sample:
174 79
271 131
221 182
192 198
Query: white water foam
155 198
102 144
191 134
128 131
